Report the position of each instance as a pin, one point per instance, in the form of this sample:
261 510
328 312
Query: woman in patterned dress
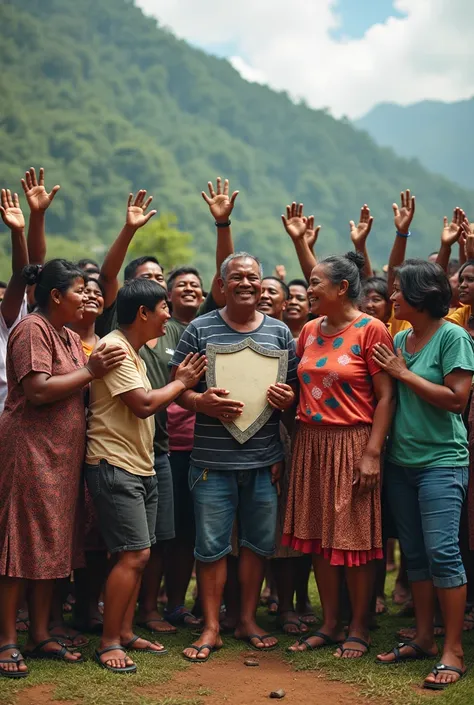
42 436
345 409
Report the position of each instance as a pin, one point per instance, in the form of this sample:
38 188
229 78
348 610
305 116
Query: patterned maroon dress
42 456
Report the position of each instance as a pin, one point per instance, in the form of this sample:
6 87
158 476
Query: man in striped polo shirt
228 479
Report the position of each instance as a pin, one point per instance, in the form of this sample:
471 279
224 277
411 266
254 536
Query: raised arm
136 218
13 218
402 218
449 236
39 201
359 235
220 207
296 224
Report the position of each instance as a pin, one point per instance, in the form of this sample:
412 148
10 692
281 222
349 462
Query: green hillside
436 133
108 102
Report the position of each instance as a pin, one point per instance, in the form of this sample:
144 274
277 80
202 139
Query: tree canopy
109 102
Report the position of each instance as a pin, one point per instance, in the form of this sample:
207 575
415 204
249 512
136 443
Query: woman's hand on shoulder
105 358
387 360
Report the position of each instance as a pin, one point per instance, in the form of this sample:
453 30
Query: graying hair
238 255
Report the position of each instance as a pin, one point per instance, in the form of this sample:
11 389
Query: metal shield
246 369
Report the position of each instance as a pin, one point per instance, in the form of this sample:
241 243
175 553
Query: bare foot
380 606
260 640
208 636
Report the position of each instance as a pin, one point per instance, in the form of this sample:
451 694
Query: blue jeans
219 496
426 504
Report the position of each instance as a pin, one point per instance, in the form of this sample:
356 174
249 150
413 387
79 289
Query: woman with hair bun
344 413
42 436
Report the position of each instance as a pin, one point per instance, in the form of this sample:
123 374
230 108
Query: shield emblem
246 369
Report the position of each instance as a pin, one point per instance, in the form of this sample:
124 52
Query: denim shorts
164 530
126 506
220 496
426 504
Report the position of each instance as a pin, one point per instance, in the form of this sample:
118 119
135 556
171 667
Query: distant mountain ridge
440 135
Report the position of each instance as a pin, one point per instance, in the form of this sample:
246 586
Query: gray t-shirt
214 447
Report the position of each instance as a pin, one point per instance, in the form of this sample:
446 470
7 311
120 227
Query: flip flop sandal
248 640
16 657
282 623
129 646
166 632
355 640
272 601
39 653
327 641
69 637
132 668
308 618
198 650
177 617
419 655
439 668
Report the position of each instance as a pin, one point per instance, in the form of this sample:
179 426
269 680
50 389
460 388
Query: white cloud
427 54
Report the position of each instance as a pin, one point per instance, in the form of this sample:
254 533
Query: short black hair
56 274
284 287
179 271
135 293
298 282
85 262
425 286
3 285
131 268
377 284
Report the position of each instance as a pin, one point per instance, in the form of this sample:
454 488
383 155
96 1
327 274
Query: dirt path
230 682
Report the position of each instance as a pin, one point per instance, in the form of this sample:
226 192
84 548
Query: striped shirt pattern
214 447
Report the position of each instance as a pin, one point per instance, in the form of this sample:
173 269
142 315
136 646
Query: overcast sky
347 55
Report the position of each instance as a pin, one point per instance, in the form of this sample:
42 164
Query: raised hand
220 205
312 232
136 207
360 232
295 223
452 231
10 210
36 195
280 272
467 233
403 216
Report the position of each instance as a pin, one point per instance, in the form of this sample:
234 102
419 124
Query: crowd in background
122 471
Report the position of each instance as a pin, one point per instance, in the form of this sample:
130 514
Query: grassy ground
87 684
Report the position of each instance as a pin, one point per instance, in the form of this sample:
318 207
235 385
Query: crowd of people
119 468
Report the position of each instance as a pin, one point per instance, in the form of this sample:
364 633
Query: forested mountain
109 102
438 134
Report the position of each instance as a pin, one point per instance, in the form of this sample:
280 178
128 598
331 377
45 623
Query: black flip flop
295 622
39 653
16 657
442 686
116 647
420 654
356 640
248 640
198 650
129 646
327 641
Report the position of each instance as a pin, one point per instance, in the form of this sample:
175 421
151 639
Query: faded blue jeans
426 504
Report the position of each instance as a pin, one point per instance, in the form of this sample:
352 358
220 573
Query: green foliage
108 102
162 239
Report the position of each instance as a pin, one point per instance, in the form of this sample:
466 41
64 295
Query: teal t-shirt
423 435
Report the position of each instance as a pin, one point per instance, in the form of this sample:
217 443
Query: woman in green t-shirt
428 458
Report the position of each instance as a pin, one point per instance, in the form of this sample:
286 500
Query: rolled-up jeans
426 504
